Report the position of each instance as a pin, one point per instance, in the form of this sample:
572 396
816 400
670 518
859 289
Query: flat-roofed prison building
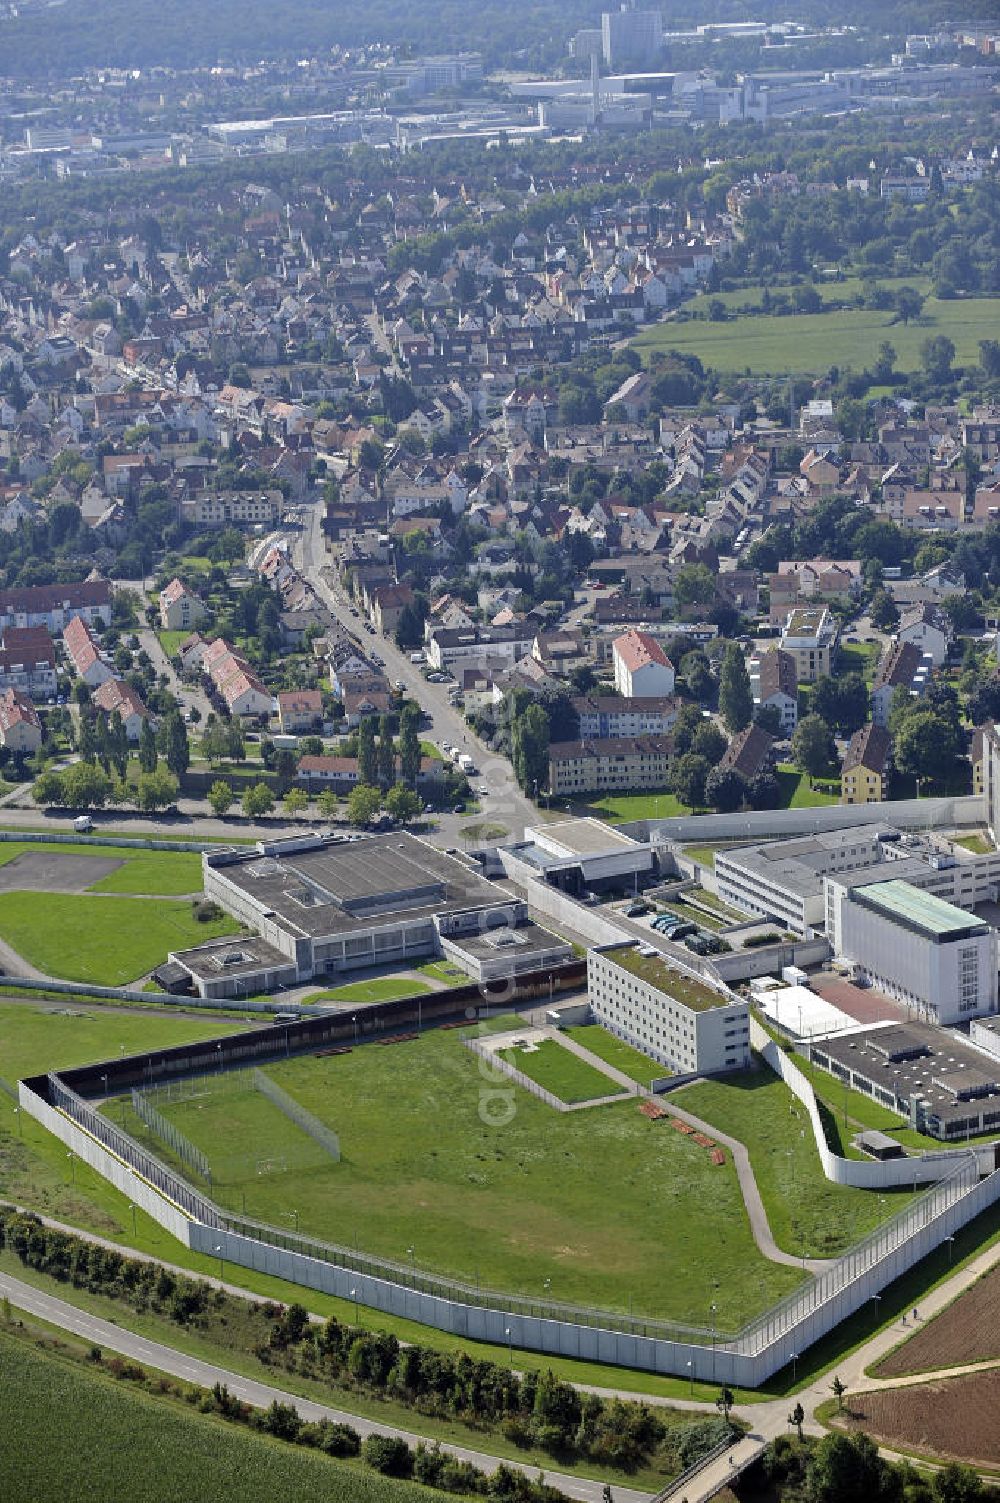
676 1018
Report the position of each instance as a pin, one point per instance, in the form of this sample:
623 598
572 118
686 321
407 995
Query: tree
926 744
885 363
294 801
363 804
724 789
844 1468
327 803
694 585
48 788
724 1402
221 798
909 303
530 748
735 694
386 754
989 357
367 757
172 740
689 721
797 1418
709 742
402 803
883 611
936 356
409 746
839 1389
85 786
955 1483
813 749
697 674
148 755
117 743
687 779
257 800
155 790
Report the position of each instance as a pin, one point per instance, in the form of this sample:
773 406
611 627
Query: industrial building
322 905
579 855
688 1026
942 1085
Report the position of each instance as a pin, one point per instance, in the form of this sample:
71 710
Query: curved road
193 1370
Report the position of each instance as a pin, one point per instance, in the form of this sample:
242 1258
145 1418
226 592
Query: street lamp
712 1310
510 1346
132 1209
105 1080
222 1267
413 1262
795 1367
951 1248
354 1297
72 1165
20 1124
690 1368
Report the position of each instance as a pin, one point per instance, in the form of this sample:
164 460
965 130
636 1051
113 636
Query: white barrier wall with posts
863 1174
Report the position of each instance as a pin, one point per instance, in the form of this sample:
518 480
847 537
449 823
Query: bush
339 1440
205 911
389 1455
756 940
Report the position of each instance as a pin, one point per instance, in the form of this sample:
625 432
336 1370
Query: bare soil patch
954 1419
55 871
967 1331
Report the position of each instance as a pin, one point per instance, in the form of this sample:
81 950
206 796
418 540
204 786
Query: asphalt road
504 804
165 1359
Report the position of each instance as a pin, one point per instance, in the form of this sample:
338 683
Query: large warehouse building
322 905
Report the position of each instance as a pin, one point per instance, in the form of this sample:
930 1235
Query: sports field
606 1205
108 941
157 873
813 342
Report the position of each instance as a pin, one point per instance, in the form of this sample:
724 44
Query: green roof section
918 910
658 972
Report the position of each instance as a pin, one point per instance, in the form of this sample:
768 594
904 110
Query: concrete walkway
166 1359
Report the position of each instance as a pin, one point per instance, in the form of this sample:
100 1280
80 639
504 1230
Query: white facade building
642 668
675 1018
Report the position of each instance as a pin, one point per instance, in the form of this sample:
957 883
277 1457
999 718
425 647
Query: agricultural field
557 1070
119 1434
616 1052
964 1332
424 1167
108 941
813 342
951 1419
808 1214
832 292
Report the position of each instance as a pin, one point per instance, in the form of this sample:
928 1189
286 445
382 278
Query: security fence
310 1125
171 1135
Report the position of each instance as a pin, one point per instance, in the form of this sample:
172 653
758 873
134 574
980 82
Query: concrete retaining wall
764 824
134 842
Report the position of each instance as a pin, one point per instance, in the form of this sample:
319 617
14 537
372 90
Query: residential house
504 644
236 683
84 653
929 628
605 717
300 711
53 605
28 661
180 608
810 639
389 601
116 695
616 764
775 685
642 668
20 727
750 753
864 776
902 666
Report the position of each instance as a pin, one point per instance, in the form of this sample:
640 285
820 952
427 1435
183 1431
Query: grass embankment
808 1214
104 940
379 989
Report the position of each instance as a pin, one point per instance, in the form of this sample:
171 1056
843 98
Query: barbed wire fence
172 1136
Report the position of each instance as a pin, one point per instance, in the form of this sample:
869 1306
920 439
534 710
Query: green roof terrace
658 972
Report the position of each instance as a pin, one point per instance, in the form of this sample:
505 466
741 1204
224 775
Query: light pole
20 1124
72 1165
222 1267
795 1367
951 1248
712 1309
132 1209
104 1078
413 1262
354 1297
510 1346
690 1368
